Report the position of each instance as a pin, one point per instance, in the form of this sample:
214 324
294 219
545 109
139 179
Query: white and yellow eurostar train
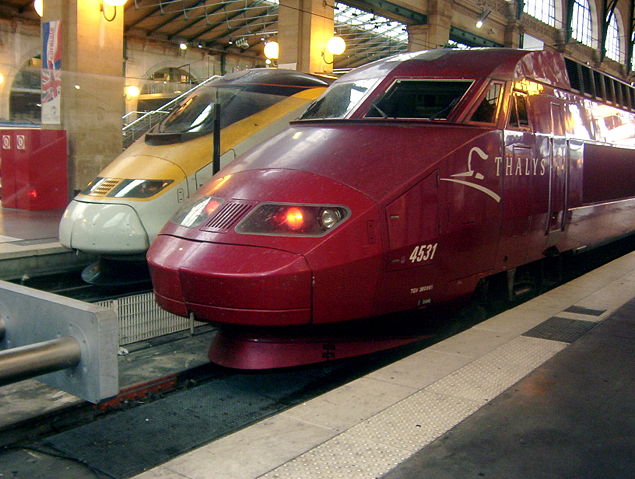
121 211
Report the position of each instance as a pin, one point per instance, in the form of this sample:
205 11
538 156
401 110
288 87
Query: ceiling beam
231 31
197 20
389 10
213 26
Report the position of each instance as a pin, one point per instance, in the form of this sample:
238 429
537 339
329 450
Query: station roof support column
436 32
90 106
304 28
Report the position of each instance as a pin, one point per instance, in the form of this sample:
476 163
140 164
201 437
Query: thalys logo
470 177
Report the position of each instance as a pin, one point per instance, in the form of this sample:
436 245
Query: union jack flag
51 61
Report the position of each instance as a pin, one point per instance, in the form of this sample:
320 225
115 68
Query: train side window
518 117
488 108
426 99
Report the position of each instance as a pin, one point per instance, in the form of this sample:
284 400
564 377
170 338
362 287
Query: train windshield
339 100
426 99
195 113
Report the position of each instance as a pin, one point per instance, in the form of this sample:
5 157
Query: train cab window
339 100
426 99
518 117
488 108
195 113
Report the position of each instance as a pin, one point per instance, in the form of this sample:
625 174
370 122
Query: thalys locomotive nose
263 259
233 284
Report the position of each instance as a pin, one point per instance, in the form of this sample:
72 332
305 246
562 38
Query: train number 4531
424 252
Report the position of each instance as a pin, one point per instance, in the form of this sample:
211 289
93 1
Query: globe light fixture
132 91
39 7
336 45
272 50
113 4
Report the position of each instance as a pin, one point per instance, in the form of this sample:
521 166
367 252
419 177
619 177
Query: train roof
546 66
276 77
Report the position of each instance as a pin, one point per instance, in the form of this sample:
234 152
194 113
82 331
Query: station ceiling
372 29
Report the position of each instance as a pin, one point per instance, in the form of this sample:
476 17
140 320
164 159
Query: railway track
207 404
71 285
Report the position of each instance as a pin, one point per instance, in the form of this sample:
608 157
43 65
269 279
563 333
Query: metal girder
195 21
607 12
568 28
631 40
370 43
470 39
375 47
410 17
230 31
520 7
227 19
173 16
140 19
265 25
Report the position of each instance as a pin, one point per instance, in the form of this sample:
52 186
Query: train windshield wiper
446 109
383 114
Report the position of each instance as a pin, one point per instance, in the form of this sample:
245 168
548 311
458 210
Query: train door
519 168
559 171
412 248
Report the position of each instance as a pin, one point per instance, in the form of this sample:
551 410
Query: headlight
118 188
291 220
196 210
138 188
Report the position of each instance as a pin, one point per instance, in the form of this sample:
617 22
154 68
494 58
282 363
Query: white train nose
103 229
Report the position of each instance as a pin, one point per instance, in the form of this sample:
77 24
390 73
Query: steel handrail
171 102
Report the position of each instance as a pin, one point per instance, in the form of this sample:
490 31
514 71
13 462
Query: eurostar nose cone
103 229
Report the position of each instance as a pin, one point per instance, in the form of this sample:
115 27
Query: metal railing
140 318
137 128
141 125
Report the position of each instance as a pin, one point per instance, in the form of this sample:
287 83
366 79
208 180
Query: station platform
29 244
543 390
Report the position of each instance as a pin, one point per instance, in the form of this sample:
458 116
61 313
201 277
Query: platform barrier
42 332
140 318
34 168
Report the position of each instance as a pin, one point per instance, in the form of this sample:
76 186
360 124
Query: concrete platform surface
29 245
573 417
407 416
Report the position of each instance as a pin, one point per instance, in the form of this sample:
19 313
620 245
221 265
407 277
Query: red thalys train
409 182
